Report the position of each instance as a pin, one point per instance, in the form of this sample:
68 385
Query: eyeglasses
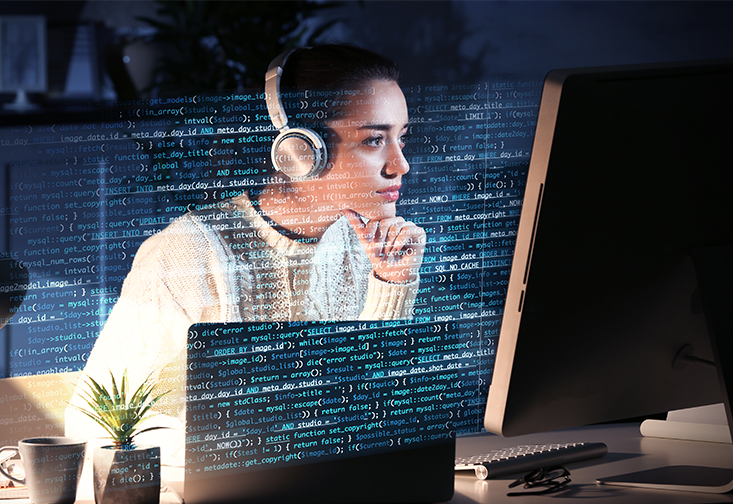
553 479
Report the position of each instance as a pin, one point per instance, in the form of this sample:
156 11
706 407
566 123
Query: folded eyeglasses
542 481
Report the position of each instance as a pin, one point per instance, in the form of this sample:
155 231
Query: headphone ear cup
299 153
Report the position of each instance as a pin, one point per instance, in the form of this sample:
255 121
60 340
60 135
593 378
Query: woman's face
366 152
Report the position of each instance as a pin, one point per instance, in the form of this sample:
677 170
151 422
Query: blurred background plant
118 49
209 46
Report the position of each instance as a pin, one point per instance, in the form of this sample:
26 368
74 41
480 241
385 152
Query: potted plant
124 473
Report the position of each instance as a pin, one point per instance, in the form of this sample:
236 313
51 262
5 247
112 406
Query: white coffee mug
52 468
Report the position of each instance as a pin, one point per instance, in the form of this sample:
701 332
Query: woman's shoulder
184 243
197 225
182 230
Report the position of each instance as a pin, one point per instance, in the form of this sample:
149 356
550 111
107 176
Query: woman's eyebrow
381 127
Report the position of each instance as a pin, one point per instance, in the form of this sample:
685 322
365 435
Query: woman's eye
374 141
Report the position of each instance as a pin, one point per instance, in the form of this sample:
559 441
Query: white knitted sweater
226 264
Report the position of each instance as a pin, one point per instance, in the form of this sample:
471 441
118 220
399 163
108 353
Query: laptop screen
270 395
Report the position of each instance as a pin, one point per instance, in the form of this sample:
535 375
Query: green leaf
118 416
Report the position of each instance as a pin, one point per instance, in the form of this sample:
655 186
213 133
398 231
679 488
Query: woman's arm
395 249
175 281
141 336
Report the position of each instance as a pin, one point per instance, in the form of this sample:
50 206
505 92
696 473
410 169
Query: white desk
628 451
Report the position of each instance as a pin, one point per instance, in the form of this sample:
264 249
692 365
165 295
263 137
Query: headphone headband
272 89
299 153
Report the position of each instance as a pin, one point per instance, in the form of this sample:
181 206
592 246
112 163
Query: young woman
324 247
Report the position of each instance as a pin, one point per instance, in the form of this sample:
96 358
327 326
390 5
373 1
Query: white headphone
299 153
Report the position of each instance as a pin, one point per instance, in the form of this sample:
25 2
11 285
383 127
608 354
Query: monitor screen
627 191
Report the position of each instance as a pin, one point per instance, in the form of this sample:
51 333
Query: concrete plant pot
127 476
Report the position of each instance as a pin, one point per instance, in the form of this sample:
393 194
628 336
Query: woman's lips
391 193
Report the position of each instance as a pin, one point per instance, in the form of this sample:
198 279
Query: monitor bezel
515 404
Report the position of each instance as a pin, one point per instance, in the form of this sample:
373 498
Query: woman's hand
394 246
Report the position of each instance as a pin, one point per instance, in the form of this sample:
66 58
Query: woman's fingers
394 246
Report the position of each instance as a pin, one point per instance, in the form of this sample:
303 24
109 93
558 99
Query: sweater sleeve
386 301
172 284
382 300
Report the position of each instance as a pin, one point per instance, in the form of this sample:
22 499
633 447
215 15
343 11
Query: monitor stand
714 269
704 423
21 102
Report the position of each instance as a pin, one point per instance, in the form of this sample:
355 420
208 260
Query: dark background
115 52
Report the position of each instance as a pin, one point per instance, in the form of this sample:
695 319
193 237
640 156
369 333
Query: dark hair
321 75
335 67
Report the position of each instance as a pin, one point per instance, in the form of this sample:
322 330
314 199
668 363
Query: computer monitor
621 270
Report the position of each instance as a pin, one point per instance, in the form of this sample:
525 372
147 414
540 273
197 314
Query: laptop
31 406
34 405
321 412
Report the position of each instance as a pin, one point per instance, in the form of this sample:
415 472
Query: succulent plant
119 416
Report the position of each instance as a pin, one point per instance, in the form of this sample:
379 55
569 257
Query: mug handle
2 464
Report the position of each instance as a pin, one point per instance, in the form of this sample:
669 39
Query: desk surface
628 451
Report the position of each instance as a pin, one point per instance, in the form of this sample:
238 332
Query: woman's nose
396 163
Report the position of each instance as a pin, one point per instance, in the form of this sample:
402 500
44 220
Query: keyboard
14 493
527 458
